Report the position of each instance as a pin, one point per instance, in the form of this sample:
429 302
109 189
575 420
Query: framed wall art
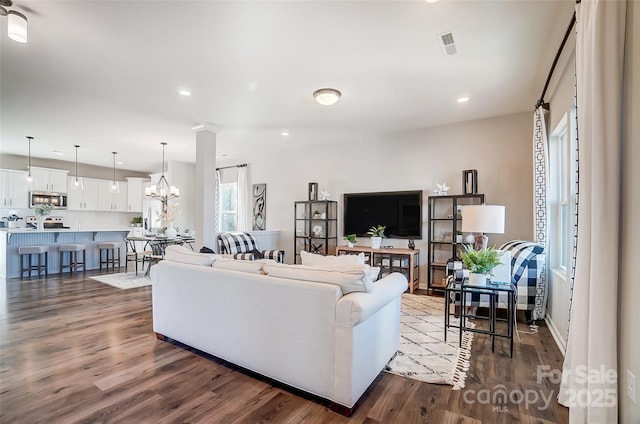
259 207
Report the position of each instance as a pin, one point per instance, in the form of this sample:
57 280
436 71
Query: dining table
158 245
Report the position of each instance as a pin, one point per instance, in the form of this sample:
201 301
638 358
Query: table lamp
482 219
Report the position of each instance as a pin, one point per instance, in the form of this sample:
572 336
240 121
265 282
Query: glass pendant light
115 186
77 183
29 178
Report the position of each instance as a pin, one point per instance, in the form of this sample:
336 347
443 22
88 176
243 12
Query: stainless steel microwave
57 200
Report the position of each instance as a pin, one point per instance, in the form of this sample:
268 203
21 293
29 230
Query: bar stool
73 249
109 248
34 250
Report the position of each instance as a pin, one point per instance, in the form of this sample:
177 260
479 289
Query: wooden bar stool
33 250
109 248
74 264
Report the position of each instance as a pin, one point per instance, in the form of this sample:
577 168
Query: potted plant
351 240
136 221
12 219
376 233
42 211
480 263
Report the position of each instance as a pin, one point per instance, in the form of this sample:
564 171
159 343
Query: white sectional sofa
305 334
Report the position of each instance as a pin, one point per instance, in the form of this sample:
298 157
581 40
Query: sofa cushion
182 254
253 267
237 242
350 278
312 259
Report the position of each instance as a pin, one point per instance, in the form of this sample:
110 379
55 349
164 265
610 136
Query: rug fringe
459 375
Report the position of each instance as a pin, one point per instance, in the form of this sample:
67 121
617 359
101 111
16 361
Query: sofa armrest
358 306
276 255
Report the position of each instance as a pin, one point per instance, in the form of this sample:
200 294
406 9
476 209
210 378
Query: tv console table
405 261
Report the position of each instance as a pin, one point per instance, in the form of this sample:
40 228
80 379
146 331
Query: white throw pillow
187 256
253 267
350 278
311 259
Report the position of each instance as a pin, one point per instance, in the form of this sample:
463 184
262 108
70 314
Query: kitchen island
12 238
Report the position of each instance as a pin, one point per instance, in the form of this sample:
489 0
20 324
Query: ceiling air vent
447 43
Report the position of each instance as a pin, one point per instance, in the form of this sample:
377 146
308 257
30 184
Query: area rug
423 354
123 280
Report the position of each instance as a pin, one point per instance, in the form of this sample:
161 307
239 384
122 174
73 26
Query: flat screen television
399 211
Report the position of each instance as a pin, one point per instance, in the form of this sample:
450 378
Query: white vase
376 242
40 224
477 279
349 244
171 232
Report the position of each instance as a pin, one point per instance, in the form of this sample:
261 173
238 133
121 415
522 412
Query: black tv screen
399 211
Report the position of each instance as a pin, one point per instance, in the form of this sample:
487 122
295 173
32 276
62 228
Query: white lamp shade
483 219
17 26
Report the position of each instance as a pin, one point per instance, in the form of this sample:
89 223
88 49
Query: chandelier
162 190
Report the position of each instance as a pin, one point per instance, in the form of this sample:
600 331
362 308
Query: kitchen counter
12 238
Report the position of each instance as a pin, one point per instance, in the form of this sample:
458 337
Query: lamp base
481 242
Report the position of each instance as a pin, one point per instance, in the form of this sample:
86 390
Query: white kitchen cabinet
85 199
15 192
51 180
114 202
135 188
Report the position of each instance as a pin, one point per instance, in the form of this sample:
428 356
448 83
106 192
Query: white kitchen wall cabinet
51 180
15 192
85 199
114 202
135 193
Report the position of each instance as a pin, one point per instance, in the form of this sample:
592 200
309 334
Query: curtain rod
541 102
242 165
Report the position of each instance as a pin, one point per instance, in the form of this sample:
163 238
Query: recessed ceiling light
184 92
284 134
327 96
120 163
432 1
463 99
58 152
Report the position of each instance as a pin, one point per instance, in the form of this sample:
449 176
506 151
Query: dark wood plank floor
75 350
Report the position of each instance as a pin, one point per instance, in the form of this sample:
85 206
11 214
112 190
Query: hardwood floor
73 350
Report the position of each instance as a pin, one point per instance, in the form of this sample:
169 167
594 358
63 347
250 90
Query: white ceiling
105 74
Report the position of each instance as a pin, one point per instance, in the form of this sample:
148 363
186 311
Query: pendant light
77 183
29 178
115 186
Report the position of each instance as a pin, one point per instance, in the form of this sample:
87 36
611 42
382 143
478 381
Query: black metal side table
493 292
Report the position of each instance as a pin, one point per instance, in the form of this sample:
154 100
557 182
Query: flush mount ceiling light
327 96
16 22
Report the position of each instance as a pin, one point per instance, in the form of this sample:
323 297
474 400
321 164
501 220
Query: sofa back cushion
311 259
237 242
253 267
185 255
350 278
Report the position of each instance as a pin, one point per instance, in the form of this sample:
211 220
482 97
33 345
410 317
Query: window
229 206
562 191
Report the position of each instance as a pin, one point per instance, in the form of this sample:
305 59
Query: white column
205 188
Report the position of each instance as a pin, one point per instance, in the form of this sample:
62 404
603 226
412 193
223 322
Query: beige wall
629 340
499 148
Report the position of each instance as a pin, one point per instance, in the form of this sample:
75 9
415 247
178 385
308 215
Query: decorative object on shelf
77 182
351 240
12 219
115 186
470 238
42 211
317 230
313 191
376 233
316 215
482 219
16 22
162 190
480 263
411 245
170 214
324 195
470 181
326 97
259 207
441 189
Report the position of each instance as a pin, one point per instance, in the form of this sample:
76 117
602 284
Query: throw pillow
312 259
187 256
205 249
256 254
350 278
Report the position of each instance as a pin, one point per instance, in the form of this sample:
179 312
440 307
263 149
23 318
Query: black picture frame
313 191
470 181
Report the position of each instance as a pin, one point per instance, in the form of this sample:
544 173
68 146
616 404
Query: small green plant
351 238
43 210
136 220
377 231
480 261
12 218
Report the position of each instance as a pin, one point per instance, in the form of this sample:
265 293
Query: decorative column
205 186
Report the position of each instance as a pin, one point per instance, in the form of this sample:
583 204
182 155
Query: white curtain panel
218 203
541 197
592 341
243 199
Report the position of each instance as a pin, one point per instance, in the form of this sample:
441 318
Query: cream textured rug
423 354
123 280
